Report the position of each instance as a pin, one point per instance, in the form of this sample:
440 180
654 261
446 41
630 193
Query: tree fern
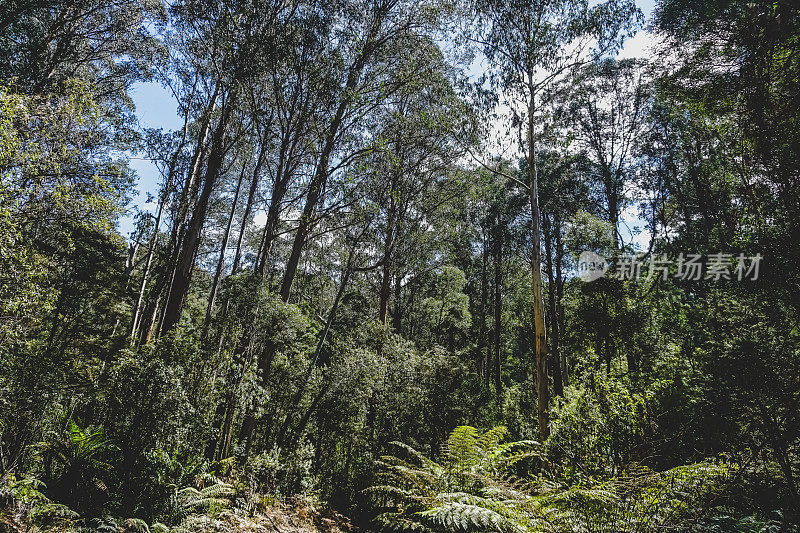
468 491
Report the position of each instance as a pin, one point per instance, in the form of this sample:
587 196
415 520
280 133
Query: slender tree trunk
560 300
348 271
552 316
386 268
173 165
226 439
191 240
498 314
221 262
543 393
397 312
321 173
481 360
187 195
146 273
248 209
270 227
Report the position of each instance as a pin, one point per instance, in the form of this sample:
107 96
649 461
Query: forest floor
295 516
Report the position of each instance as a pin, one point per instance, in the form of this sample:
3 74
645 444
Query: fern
192 499
136 525
467 491
52 511
158 527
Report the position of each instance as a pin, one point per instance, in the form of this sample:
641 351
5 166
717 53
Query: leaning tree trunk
221 262
321 173
191 241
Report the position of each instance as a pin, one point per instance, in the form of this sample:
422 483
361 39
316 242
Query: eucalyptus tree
414 163
229 42
530 45
373 40
607 106
105 42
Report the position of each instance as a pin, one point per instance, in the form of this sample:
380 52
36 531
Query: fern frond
136 525
220 489
49 511
399 522
463 516
158 527
491 439
461 451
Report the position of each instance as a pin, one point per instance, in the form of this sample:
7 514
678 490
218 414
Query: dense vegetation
360 280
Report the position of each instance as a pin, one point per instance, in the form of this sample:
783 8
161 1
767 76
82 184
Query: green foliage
471 489
597 427
397 304
216 495
76 465
25 501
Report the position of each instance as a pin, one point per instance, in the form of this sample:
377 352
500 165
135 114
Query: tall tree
530 45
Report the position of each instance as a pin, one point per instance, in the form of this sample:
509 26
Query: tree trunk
221 262
498 313
386 269
191 240
320 178
483 369
397 312
552 316
543 393
560 300
187 195
248 210
348 271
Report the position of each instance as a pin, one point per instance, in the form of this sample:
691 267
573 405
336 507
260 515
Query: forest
405 265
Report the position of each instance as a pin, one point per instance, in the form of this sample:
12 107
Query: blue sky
156 108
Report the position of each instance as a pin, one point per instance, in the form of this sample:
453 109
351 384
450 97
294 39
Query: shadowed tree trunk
191 241
543 393
552 314
221 261
498 312
482 368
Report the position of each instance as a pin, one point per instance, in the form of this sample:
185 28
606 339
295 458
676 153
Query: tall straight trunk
498 313
191 239
397 313
543 393
226 438
221 262
552 317
481 360
248 209
149 320
560 300
386 268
